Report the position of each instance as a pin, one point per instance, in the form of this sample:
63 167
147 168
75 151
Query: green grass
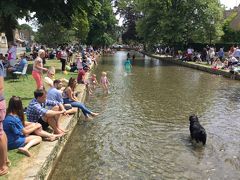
25 88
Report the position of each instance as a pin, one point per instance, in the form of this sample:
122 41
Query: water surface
142 132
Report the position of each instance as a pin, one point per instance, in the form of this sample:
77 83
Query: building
3 41
235 24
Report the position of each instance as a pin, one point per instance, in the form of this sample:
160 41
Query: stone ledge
193 65
45 160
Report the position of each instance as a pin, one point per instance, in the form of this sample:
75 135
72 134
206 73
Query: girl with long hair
19 136
69 97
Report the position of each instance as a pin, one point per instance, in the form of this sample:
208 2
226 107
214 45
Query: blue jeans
79 105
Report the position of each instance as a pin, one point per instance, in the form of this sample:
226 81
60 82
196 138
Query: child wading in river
105 83
128 65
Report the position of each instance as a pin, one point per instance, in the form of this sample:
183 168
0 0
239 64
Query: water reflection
142 132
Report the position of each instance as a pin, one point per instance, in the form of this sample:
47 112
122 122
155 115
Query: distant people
204 54
81 76
79 61
236 53
45 55
12 54
93 81
69 97
3 138
104 83
37 112
211 53
20 65
38 69
63 58
128 65
189 54
19 137
48 80
221 54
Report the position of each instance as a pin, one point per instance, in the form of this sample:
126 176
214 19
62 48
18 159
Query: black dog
197 132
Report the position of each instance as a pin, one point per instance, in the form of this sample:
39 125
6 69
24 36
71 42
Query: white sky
230 3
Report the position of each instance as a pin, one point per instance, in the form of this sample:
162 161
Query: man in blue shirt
19 67
37 111
55 94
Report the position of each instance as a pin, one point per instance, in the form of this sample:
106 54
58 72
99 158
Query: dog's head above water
193 118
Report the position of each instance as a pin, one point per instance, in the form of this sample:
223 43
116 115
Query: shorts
2 115
43 123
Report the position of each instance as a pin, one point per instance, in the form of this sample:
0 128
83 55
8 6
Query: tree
52 34
46 11
102 26
10 11
127 10
176 21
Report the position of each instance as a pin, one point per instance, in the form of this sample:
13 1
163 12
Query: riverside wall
194 65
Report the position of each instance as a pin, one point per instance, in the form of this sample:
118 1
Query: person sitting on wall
55 94
37 112
18 133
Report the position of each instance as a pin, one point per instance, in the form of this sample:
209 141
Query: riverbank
199 66
44 155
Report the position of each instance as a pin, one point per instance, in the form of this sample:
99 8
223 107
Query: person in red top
81 76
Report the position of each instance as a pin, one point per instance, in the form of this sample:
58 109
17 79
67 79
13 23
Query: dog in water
197 132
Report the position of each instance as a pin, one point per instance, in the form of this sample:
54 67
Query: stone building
235 24
3 40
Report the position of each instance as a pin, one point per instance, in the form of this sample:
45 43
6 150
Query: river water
143 129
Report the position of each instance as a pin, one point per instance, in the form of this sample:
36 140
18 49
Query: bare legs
29 142
3 157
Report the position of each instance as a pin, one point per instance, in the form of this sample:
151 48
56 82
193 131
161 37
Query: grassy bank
25 88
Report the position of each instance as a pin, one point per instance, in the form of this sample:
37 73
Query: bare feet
24 151
54 137
4 171
94 114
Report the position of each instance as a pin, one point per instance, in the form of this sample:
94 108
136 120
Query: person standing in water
128 65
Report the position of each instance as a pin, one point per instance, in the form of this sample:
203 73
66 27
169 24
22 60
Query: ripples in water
142 132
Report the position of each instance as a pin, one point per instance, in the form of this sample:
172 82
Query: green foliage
80 25
178 21
53 34
25 27
102 26
127 10
230 35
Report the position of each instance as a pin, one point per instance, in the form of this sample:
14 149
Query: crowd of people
21 128
216 58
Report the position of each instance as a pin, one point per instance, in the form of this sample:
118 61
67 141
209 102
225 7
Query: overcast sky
230 3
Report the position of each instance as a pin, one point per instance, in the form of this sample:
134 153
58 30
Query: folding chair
23 73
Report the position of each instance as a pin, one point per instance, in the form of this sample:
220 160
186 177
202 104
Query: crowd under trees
145 21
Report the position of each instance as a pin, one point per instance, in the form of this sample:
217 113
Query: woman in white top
64 57
38 69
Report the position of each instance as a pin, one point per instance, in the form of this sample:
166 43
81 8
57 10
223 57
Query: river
143 129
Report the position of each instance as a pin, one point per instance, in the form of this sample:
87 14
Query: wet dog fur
197 132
